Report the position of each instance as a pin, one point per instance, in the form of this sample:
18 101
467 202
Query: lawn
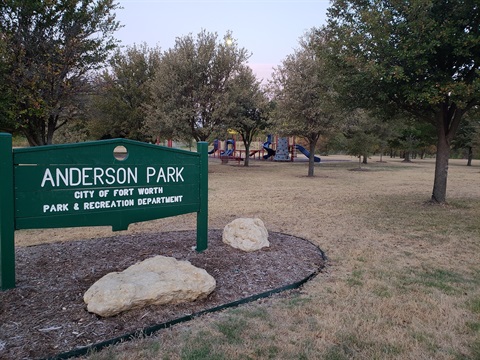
402 280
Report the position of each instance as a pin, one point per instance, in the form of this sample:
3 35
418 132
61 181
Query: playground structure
274 149
228 152
306 152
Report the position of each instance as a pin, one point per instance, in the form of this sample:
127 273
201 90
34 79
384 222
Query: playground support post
202 214
7 226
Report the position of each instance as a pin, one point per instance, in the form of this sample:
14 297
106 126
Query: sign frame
92 184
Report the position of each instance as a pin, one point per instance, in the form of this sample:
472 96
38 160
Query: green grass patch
382 291
295 301
355 279
474 306
232 328
426 340
351 346
474 352
202 346
268 352
336 352
416 219
106 354
252 313
473 326
446 281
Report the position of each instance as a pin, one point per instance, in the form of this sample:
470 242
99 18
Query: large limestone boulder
157 280
246 234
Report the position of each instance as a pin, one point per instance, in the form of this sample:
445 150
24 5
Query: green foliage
302 87
51 46
190 89
417 55
248 112
7 122
413 137
421 57
75 131
468 135
122 92
364 134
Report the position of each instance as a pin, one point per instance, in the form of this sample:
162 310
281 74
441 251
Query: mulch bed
45 314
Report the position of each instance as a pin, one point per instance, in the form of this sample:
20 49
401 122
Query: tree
6 120
384 131
122 91
51 48
422 57
468 135
360 144
189 91
248 113
362 133
303 92
415 137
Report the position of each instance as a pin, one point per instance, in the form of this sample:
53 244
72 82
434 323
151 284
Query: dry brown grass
403 276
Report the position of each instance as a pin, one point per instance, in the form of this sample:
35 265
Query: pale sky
268 29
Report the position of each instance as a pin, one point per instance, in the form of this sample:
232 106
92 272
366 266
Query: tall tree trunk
51 127
34 131
246 161
447 122
469 156
247 139
441 170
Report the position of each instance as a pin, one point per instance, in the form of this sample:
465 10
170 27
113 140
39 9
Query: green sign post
112 182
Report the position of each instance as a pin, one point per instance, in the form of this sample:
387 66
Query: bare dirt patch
45 314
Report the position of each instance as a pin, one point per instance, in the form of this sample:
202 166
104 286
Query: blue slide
270 152
229 152
215 147
306 152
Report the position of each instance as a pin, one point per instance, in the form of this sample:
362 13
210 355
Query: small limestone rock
154 281
246 234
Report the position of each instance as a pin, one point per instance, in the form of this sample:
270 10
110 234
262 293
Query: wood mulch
45 314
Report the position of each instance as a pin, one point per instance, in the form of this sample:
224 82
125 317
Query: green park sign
111 182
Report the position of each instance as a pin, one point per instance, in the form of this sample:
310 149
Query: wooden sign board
111 182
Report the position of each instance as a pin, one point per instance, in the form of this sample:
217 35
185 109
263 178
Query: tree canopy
249 107
51 46
121 93
189 92
302 87
419 56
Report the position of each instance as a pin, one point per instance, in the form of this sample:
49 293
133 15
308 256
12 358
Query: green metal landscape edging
101 183
150 330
